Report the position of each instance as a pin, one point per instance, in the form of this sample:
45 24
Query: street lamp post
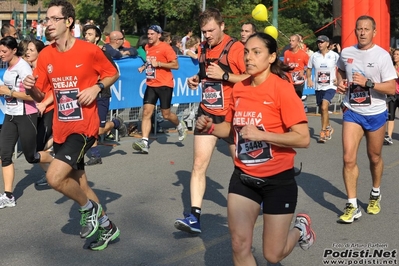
24 22
113 15
275 13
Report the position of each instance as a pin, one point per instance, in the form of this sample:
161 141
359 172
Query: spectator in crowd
192 47
324 63
392 101
176 44
140 46
32 34
77 31
115 48
23 48
8 30
92 34
189 33
20 117
39 30
49 38
107 39
364 112
126 43
221 65
247 29
166 37
334 47
161 59
74 132
270 176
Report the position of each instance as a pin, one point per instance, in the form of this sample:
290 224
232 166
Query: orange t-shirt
299 61
272 106
126 44
159 76
216 93
68 73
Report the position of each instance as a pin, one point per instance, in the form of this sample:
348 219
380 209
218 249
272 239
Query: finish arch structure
378 9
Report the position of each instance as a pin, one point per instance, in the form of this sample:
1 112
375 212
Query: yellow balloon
260 13
272 31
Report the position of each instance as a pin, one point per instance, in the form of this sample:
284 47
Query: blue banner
128 90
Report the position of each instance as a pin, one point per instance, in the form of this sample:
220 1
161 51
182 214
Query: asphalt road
144 194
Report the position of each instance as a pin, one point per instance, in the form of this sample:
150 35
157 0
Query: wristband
211 129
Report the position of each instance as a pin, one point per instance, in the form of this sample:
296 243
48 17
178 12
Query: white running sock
375 192
353 201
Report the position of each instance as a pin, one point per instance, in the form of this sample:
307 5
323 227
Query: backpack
223 62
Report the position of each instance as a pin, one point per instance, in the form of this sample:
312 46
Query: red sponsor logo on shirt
350 60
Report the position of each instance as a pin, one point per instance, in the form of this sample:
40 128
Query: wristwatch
225 76
100 85
369 84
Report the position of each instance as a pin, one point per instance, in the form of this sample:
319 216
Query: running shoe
182 131
308 236
374 206
322 137
105 235
94 161
189 224
329 131
122 129
89 220
141 145
110 136
6 201
42 181
388 140
350 214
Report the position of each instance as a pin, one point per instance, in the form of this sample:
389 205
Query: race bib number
150 71
10 101
323 78
359 96
296 78
68 106
252 152
212 95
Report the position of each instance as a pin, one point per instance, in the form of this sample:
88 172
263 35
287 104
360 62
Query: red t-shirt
298 60
67 73
272 106
213 101
159 76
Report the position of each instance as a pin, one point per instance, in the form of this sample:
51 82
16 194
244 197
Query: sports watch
225 76
369 84
100 85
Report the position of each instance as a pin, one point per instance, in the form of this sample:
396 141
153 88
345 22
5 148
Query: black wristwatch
225 76
369 84
100 85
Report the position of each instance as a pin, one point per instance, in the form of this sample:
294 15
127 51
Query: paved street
144 194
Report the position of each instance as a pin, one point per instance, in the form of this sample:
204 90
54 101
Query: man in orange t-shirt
161 59
298 59
77 72
221 61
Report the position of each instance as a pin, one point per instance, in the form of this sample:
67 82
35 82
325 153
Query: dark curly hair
67 10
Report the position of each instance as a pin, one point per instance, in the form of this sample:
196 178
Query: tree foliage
306 17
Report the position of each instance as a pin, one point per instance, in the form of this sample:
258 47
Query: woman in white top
192 47
20 117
